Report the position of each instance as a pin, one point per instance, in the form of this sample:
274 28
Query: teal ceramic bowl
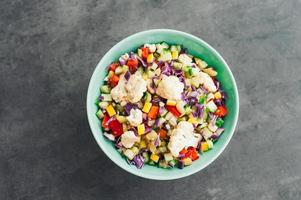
196 47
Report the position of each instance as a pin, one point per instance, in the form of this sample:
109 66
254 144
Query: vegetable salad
161 106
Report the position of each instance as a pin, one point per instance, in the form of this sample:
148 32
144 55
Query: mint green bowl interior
196 47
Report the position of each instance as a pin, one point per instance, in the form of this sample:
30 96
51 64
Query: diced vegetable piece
145 52
210 97
151 135
168 157
133 64
152 148
210 71
147 97
147 106
210 144
204 146
163 143
150 58
121 119
113 80
163 164
211 106
192 153
116 127
168 116
219 122
173 121
173 48
105 89
162 133
202 99
145 157
129 154
162 149
171 102
113 66
99 114
180 107
152 114
110 110
135 150
161 121
140 129
193 120
172 163
106 97
139 52
221 111
177 65
206 133
217 95
212 127
105 120
187 161
173 110
165 56
154 157
188 110
142 144
174 54
124 127
103 104
200 63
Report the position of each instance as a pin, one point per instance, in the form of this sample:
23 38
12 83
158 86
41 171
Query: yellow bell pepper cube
174 54
154 157
204 146
171 102
217 95
141 129
193 120
150 58
187 161
147 106
111 111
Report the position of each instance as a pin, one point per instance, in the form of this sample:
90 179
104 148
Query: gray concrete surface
48 50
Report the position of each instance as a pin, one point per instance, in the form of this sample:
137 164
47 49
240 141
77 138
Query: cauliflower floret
170 87
135 87
135 117
129 138
119 92
182 137
185 59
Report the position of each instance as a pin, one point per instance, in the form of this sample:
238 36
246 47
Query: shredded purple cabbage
217 84
199 111
132 55
194 94
144 117
143 63
157 141
167 69
223 95
178 73
129 106
191 100
138 161
156 100
127 75
218 102
147 128
180 164
100 98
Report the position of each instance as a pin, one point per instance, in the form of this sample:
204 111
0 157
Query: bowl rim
231 132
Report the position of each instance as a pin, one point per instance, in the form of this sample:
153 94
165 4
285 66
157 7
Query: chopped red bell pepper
221 111
145 52
190 152
116 127
133 64
113 80
173 110
105 120
113 66
162 133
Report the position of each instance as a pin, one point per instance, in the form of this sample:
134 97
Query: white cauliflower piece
182 137
135 87
170 87
119 92
208 82
128 139
151 47
135 117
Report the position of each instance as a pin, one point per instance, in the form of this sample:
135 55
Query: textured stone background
48 50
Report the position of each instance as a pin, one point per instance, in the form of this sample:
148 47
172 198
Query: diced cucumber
162 149
179 48
147 97
105 89
145 156
173 121
163 143
164 45
119 108
202 98
168 116
177 65
182 119
200 63
129 154
194 71
188 110
151 162
205 114
210 144
163 111
168 157
106 97
161 121
163 164
172 163
165 56
211 106
206 133
99 114
103 105
135 150
119 70
150 74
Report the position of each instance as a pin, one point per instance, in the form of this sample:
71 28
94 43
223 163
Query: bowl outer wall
196 47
